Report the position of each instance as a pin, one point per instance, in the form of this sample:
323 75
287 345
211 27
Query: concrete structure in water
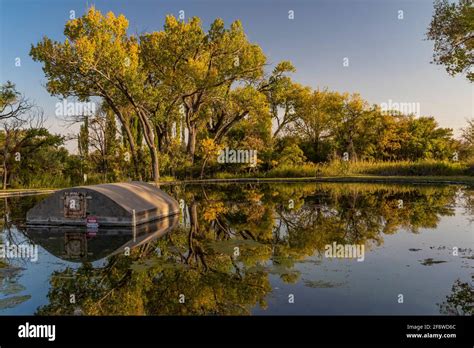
122 204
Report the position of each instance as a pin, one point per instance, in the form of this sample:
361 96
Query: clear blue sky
388 58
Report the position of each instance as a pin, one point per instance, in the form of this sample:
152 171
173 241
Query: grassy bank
336 171
340 168
369 179
436 180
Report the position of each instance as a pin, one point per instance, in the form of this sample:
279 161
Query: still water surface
255 249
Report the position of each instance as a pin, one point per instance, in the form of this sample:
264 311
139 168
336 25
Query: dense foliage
169 101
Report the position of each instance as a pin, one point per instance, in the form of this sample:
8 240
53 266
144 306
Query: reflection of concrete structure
123 204
79 244
75 245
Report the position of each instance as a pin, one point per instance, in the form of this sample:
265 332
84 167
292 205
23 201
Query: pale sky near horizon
389 60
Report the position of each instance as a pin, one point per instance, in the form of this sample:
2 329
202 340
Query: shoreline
445 180
410 180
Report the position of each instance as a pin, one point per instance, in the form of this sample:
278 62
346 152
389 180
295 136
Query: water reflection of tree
356 214
146 283
200 263
12 211
468 203
460 301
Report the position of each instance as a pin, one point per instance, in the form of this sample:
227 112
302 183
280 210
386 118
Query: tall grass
307 170
42 182
406 168
292 171
399 168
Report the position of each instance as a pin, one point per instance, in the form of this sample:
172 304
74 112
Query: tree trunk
5 158
191 149
133 150
351 151
150 139
194 217
316 149
155 164
131 141
5 172
203 166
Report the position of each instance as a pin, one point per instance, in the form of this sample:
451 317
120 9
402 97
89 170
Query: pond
253 249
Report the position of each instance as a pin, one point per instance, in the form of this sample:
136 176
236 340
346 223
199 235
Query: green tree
12 103
196 67
427 141
26 152
99 59
316 124
452 30
352 127
22 137
285 97
467 140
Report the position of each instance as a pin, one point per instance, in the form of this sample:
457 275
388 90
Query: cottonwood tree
427 140
21 131
452 30
317 115
12 103
352 125
21 139
285 97
467 141
181 66
29 153
99 59
468 133
239 119
238 104
196 68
